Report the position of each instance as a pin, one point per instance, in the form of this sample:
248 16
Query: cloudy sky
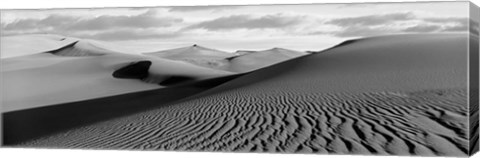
230 28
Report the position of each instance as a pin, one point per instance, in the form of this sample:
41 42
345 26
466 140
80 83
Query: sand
238 62
390 95
80 48
13 46
80 71
197 55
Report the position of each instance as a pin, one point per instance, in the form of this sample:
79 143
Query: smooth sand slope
82 70
402 94
197 55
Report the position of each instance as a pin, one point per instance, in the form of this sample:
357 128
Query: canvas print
354 78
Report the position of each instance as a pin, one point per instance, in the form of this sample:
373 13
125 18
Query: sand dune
28 124
238 62
76 72
13 46
334 123
196 54
79 48
252 60
402 94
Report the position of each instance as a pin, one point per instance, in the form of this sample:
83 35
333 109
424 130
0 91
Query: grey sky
300 27
249 22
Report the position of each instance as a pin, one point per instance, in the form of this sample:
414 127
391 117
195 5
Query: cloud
372 19
248 22
120 35
394 23
72 23
361 32
102 27
146 20
423 28
200 8
50 22
149 24
446 19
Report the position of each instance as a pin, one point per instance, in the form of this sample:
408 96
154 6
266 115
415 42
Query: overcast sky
230 28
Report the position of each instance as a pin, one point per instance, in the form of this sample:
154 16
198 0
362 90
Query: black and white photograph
343 79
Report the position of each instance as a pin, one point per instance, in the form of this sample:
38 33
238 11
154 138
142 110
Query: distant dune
80 48
238 62
82 70
196 54
31 44
400 94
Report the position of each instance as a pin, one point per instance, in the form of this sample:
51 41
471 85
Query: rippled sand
393 95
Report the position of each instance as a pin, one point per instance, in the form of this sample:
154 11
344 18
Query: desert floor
389 95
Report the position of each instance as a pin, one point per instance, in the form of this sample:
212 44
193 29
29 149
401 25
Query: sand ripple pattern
429 122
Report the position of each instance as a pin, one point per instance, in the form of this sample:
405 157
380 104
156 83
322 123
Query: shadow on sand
24 125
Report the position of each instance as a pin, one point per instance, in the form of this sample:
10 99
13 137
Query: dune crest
80 48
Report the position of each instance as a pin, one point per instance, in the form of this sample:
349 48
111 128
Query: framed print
350 79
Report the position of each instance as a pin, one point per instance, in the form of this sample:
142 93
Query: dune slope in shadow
391 95
136 70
